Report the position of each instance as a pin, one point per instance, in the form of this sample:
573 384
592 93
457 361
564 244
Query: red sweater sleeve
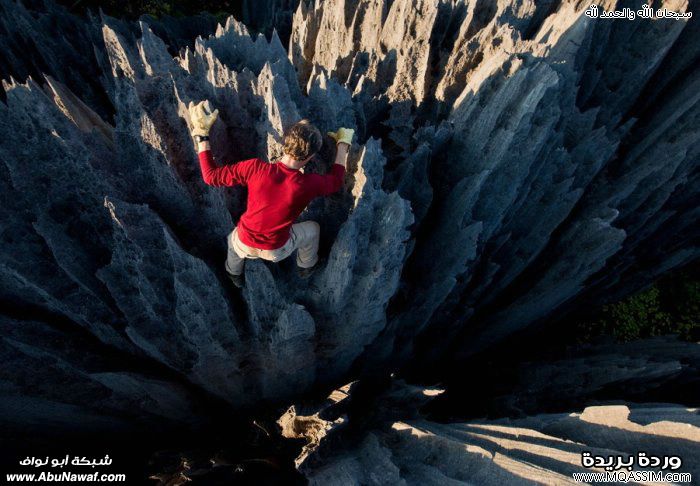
228 175
323 185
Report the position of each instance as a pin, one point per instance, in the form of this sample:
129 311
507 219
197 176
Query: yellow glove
343 135
202 117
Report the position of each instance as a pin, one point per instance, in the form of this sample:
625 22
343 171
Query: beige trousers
303 237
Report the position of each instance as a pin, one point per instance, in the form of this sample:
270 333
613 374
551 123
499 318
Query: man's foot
237 280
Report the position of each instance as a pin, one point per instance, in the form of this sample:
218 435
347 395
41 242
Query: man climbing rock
277 193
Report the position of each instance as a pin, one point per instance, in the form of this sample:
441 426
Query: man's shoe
237 280
305 273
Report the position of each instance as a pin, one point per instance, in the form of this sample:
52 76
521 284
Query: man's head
301 142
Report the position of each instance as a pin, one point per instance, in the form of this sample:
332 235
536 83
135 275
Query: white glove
343 135
201 117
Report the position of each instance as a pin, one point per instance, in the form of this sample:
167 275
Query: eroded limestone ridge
399 435
542 449
514 162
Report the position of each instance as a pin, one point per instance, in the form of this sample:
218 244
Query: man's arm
330 183
341 154
202 119
334 181
228 175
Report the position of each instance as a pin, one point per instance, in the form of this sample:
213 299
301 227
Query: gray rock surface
550 172
543 449
47 377
392 443
660 369
513 161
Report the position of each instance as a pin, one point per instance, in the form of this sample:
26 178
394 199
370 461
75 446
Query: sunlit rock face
547 156
405 436
542 449
513 161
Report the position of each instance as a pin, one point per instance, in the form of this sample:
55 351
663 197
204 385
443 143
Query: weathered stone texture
514 161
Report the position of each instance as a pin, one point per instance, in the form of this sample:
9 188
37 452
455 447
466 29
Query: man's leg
234 262
306 236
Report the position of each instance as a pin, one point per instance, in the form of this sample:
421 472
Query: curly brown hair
302 140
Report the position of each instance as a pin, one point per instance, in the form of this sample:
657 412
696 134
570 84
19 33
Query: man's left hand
343 135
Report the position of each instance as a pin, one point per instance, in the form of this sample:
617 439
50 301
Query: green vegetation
670 306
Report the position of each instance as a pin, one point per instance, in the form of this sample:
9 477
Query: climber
277 193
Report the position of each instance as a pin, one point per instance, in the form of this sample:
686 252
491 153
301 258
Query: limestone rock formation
513 161
602 399
660 369
407 434
554 173
543 449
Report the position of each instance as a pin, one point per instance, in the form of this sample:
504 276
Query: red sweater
276 195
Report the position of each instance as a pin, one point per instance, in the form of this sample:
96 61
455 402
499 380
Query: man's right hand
202 118
343 135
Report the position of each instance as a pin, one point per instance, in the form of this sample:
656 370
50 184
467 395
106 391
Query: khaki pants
302 237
